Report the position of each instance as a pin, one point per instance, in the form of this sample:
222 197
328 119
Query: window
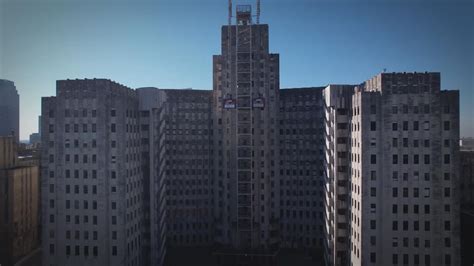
446 125
405 158
394 192
395 176
394 208
447 225
447 259
416 225
113 113
415 143
427 159
405 125
447 192
395 159
112 128
372 224
373 192
372 257
447 176
372 240
405 225
395 258
114 250
373 175
427 226
416 125
373 126
447 159
416 159
394 126
51 249
447 143
416 192
447 242
373 159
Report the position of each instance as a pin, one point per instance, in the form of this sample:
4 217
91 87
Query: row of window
416 159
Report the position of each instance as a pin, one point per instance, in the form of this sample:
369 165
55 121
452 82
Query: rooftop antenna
230 12
258 11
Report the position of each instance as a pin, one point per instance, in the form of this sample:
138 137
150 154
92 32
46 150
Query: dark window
372 257
373 159
395 159
427 158
447 125
447 159
394 192
373 126
416 125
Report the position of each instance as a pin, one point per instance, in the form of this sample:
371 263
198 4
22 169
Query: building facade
397 170
19 203
246 100
467 180
367 174
9 109
92 186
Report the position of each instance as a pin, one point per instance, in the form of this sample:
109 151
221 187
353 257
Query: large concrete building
92 185
9 109
19 203
392 192
366 174
246 104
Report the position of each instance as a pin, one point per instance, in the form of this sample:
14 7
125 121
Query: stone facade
19 204
400 149
92 185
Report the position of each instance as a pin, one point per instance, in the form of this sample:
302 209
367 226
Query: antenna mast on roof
230 12
258 11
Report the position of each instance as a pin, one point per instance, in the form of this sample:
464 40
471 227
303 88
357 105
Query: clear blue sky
170 43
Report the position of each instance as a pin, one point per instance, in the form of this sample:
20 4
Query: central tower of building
246 95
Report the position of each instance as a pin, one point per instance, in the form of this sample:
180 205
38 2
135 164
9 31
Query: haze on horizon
170 43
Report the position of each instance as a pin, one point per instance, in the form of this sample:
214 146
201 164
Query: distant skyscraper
92 185
9 109
393 172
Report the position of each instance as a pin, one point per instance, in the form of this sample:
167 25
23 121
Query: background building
9 109
19 203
